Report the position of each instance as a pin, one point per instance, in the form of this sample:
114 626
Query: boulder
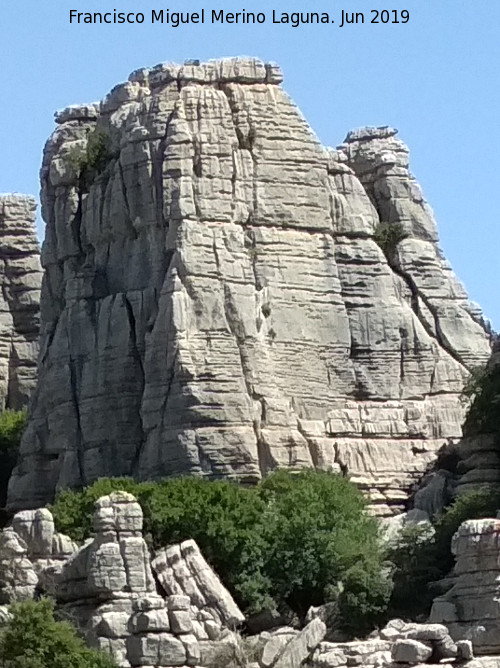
410 651
302 645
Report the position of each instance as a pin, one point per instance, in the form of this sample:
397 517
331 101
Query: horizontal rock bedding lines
214 302
21 279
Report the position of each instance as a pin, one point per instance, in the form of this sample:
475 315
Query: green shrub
422 556
322 545
12 424
483 388
415 566
94 157
387 236
471 506
293 541
221 516
32 638
224 519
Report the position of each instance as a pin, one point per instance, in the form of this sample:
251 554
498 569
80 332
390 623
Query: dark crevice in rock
79 444
158 158
128 218
141 379
417 296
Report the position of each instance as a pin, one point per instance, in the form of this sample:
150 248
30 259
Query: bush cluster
32 638
422 557
483 388
387 236
295 540
12 424
94 157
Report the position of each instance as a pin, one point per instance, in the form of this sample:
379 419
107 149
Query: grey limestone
214 302
21 279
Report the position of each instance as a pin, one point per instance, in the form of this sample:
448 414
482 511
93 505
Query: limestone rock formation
478 452
185 617
471 608
21 278
182 570
31 554
215 303
108 587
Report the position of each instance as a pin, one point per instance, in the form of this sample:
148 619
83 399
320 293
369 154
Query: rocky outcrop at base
21 279
471 609
215 301
172 610
31 553
108 587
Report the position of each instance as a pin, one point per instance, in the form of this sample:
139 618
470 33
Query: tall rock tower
20 278
215 301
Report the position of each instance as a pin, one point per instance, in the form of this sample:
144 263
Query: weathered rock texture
31 554
108 589
479 452
471 609
185 617
21 278
214 301
182 570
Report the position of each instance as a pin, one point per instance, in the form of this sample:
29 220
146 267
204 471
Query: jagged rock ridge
21 278
214 302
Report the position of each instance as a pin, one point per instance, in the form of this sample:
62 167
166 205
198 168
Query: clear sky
435 78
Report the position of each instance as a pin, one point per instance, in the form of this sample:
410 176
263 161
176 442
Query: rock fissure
417 296
137 356
78 436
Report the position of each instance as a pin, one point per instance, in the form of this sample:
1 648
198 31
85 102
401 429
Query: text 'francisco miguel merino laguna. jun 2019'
293 19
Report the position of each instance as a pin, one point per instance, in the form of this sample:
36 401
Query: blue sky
434 78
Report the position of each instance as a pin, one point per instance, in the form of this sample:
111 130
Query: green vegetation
34 639
12 424
387 236
295 540
422 556
415 567
472 506
483 389
321 545
94 158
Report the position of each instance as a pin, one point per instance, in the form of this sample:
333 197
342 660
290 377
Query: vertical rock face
21 277
471 608
215 303
479 450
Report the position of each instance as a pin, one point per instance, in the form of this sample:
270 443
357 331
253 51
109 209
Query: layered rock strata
214 301
479 452
21 279
471 608
182 570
